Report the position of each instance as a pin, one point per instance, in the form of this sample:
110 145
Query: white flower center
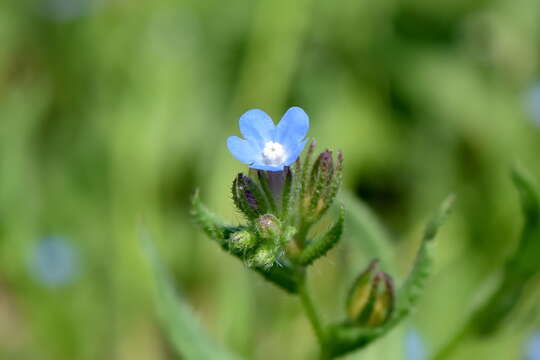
273 153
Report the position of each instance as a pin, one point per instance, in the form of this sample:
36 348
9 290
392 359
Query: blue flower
415 348
267 146
54 261
532 103
532 348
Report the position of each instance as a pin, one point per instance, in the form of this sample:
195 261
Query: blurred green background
113 112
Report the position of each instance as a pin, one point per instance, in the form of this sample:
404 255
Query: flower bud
243 241
264 257
248 197
371 298
324 182
269 227
322 170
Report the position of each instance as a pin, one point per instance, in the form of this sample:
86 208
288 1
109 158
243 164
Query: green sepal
212 226
363 317
263 180
248 197
321 176
345 337
360 291
303 175
333 186
239 200
287 193
319 247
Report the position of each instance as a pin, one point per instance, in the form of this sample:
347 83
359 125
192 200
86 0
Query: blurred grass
112 113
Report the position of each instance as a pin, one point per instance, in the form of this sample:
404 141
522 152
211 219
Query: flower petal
242 149
293 154
257 127
261 166
293 127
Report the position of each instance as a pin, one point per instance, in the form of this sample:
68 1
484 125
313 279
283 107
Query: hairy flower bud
248 197
324 182
264 258
243 241
371 298
269 227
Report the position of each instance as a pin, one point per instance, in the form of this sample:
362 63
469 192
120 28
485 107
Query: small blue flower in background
415 348
267 146
532 347
54 261
532 103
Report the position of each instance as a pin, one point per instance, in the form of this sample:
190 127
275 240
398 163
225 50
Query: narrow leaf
177 318
319 247
409 293
212 226
520 267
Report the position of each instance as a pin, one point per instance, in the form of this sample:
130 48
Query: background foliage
113 112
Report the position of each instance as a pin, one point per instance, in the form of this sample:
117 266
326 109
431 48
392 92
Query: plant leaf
414 285
319 247
177 318
520 267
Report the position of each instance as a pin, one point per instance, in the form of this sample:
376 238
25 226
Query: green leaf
414 285
488 317
212 226
524 262
319 247
177 318
520 267
344 337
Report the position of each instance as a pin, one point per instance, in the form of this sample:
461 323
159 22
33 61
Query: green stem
314 318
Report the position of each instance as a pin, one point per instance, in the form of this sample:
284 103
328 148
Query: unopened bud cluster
278 205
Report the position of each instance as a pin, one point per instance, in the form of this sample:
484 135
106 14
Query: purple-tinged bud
246 188
371 299
248 197
269 227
